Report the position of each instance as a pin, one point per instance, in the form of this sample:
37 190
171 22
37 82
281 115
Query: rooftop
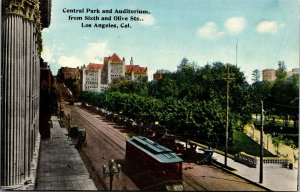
158 152
94 66
113 58
135 68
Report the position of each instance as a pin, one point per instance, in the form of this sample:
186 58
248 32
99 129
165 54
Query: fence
252 161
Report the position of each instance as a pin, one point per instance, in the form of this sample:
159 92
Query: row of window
91 82
91 79
91 87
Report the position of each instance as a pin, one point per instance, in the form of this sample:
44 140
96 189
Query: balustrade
253 161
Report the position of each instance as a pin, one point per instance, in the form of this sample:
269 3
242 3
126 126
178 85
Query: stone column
20 71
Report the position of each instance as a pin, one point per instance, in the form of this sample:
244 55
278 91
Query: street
106 140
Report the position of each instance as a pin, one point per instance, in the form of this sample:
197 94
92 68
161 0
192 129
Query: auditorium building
97 77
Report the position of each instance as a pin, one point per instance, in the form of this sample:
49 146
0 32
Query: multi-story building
134 72
296 71
47 100
21 45
91 78
69 73
269 75
114 68
97 77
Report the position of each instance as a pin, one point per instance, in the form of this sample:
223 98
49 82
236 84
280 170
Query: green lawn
242 143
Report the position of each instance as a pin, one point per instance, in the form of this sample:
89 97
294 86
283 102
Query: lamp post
60 108
69 117
110 171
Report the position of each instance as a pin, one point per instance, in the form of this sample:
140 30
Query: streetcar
160 163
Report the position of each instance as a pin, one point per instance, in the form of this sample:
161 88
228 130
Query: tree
186 65
138 86
256 76
190 102
278 142
281 71
259 91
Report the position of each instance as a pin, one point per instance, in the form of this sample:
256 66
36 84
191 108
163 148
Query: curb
250 181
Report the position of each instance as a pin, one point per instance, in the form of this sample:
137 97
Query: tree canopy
192 100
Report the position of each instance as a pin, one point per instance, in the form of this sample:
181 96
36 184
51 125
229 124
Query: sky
203 31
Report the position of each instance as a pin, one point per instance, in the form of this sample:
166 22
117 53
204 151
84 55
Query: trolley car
160 162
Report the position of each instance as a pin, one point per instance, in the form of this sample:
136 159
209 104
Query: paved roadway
106 140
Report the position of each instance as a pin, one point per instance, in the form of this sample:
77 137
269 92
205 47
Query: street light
69 117
110 171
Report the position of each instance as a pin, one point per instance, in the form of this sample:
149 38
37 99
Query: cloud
147 20
267 27
48 53
69 61
95 52
209 30
235 25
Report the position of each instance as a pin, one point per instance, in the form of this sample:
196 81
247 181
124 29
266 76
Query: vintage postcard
184 95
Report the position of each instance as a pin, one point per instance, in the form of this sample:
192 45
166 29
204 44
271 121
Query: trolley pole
261 163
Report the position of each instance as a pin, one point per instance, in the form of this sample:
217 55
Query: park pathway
284 150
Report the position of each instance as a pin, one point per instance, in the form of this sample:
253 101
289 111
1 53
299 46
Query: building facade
48 102
269 75
97 77
91 78
69 73
134 72
296 71
22 22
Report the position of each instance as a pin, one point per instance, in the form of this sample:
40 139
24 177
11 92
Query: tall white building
91 77
97 77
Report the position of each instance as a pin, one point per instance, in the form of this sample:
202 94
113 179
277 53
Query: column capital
28 9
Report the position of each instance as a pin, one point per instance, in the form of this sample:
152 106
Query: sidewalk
274 178
60 166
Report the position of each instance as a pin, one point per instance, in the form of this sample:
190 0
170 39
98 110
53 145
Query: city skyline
200 30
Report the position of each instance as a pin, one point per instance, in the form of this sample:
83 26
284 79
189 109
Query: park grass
242 143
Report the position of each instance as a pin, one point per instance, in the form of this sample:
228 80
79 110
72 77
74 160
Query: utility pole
261 143
236 51
227 114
